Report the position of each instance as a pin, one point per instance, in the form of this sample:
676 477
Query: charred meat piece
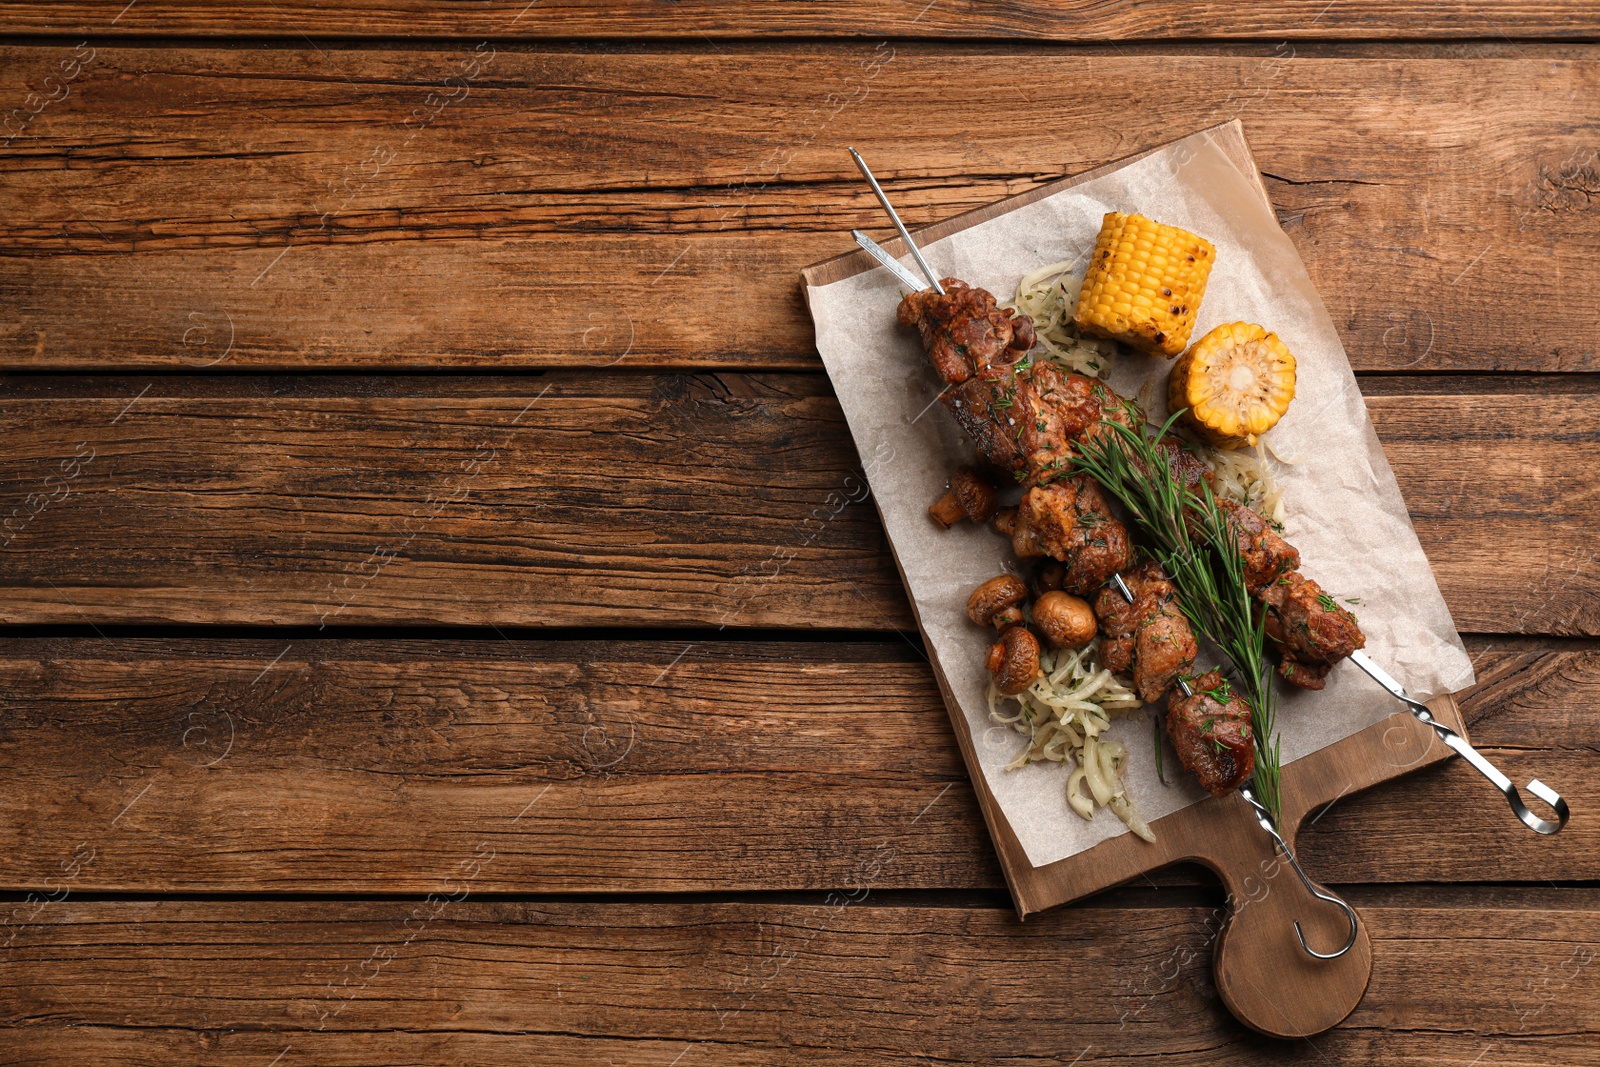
963 329
986 408
1211 732
1022 416
1150 636
1267 557
1026 417
1309 628
1070 521
1186 467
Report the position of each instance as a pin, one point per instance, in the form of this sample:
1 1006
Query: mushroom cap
1050 576
1065 620
1014 660
977 496
994 596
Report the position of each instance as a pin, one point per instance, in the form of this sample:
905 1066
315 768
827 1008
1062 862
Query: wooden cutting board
1263 975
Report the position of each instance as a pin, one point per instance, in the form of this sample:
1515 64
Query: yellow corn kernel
1144 284
1236 381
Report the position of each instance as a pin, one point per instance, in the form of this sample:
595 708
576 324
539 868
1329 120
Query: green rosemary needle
1188 534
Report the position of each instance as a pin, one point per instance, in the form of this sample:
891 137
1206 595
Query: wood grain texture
334 207
842 980
1475 503
624 500
616 206
558 501
1535 708
332 766
1063 20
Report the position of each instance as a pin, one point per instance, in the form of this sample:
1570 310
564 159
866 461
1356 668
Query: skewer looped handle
1264 817
1472 755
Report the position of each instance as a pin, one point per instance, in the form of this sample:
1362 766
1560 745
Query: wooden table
443 622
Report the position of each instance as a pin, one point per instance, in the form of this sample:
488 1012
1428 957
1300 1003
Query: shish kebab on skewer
1309 631
1212 759
1025 419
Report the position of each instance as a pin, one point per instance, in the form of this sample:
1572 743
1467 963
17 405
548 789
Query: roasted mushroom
1014 660
1049 577
970 497
997 602
1065 620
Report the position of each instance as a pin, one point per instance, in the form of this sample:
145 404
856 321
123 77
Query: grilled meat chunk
985 407
1025 417
1022 416
1211 733
1186 467
1311 631
1267 557
1149 636
1070 521
964 330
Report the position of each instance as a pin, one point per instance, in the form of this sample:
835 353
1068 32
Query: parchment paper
1345 512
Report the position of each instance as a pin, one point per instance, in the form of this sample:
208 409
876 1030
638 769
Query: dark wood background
436 624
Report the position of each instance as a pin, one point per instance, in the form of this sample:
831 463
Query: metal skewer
1478 761
881 254
1472 755
1263 817
894 216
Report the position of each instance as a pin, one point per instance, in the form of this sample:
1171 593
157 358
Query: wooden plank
333 207
695 20
558 501
583 767
571 500
1458 974
1475 502
318 766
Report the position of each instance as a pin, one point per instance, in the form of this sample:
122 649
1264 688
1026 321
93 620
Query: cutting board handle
1265 978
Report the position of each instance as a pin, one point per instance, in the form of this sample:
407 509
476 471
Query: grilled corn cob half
1236 381
1144 284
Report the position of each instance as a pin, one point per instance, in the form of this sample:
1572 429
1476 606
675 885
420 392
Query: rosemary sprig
1189 536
